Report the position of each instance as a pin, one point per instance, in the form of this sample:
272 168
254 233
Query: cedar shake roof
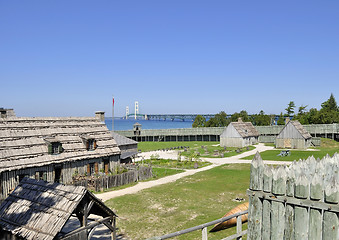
24 141
245 129
122 140
300 129
39 210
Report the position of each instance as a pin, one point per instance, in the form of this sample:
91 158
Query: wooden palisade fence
295 202
105 182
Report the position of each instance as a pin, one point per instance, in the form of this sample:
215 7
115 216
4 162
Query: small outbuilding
128 147
294 136
40 210
239 134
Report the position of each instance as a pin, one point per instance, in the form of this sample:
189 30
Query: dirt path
173 155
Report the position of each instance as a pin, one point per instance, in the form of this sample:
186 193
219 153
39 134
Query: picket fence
299 201
104 182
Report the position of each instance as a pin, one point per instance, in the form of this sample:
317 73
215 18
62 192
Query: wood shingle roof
24 141
39 210
245 129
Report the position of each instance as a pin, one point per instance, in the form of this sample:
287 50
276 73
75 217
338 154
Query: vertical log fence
105 182
299 201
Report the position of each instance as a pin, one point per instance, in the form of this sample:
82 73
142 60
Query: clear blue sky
68 57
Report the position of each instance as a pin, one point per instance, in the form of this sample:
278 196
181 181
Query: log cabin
54 149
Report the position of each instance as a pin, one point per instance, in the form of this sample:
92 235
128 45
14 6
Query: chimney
287 119
240 119
100 115
5 113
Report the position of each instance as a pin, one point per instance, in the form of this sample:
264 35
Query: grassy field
188 202
208 150
168 163
153 146
328 146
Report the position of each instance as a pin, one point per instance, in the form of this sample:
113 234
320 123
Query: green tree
243 115
290 108
281 120
199 121
330 104
302 109
261 119
219 120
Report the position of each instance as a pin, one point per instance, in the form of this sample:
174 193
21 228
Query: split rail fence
203 228
109 181
295 202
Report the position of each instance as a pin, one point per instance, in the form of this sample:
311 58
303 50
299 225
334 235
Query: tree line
329 113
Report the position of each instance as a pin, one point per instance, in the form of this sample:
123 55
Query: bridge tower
127 112
136 109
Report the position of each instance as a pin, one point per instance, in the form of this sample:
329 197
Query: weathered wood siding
10 179
295 202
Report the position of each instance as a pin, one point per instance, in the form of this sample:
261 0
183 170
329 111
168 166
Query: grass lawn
188 202
168 163
153 146
328 146
194 147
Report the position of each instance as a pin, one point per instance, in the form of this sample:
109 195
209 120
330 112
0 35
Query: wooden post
278 208
239 226
301 213
204 233
331 222
255 204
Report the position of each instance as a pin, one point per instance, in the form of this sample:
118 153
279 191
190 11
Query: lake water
123 124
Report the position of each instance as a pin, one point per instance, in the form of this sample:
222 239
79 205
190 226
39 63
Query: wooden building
40 210
239 134
128 147
54 149
294 136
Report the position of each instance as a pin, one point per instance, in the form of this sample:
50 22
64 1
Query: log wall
295 202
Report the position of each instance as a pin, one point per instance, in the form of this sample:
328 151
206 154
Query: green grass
229 152
190 201
153 146
163 172
328 146
168 163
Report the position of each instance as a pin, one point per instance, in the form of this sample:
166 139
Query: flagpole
113 114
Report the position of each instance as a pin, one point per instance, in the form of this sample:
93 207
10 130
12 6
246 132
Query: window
91 144
41 175
55 148
22 176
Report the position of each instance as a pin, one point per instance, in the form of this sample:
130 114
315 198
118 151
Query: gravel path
173 155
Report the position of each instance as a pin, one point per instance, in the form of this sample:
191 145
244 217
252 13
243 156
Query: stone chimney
5 113
240 119
100 115
287 119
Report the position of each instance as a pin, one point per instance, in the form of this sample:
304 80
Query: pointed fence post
331 222
255 204
316 194
301 213
266 207
278 208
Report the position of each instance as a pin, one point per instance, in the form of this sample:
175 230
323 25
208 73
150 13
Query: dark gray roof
245 129
24 141
39 210
122 140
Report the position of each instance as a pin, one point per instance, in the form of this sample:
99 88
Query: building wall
10 179
292 143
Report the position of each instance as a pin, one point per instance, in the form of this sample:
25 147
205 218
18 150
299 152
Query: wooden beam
89 226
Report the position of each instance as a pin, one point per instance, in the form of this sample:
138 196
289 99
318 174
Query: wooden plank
277 220
257 173
266 220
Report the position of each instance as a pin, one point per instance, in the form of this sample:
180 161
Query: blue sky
69 57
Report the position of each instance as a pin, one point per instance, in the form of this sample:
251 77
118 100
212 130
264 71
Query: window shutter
94 144
61 149
88 169
87 144
50 149
96 168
